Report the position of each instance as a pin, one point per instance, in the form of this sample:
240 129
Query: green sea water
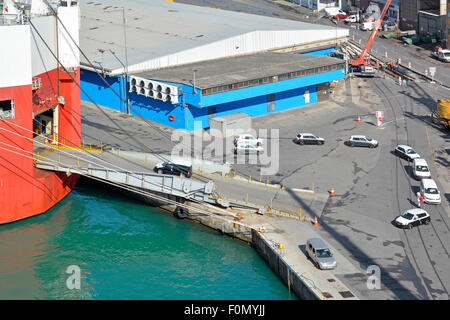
127 250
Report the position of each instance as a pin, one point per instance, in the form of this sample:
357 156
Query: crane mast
361 60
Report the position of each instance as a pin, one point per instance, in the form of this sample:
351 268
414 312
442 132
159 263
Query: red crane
361 60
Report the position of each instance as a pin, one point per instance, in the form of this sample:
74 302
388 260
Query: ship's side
38 95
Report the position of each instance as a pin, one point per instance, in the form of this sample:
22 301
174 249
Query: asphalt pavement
372 186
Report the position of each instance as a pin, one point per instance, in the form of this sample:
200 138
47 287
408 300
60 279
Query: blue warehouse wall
256 106
157 110
271 88
252 100
322 52
98 91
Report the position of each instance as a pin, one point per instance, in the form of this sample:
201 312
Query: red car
341 16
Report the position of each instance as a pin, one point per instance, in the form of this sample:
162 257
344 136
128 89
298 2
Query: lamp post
124 20
195 71
124 77
103 70
126 59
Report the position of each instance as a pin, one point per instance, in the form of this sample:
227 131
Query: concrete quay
287 223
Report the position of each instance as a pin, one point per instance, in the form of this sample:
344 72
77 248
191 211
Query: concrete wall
281 268
409 19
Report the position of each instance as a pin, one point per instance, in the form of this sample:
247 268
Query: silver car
320 254
362 141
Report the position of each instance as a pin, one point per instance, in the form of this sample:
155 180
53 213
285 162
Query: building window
270 102
6 109
211 112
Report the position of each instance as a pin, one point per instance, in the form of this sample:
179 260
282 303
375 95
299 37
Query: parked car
248 138
406 152
320 254
362 141
341 15
412 218
430 191
441 54
172 168
354 18
420 169
308 138
368 26
247 148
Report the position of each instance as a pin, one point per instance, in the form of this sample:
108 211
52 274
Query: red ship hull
37 98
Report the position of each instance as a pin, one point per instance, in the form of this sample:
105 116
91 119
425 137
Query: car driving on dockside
406 152
412 218
308 138
248 138
172 168
362 141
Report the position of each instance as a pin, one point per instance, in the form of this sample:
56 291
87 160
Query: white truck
333 11
442 55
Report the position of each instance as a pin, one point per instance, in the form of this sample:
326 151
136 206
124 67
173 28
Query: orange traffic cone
332 192
315 222
359 119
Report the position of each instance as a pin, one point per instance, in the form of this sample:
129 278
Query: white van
429 191
420 169
367 26
332 11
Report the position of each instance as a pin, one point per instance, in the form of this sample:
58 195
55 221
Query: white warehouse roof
162 34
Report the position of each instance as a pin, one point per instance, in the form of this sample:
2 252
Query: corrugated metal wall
248 43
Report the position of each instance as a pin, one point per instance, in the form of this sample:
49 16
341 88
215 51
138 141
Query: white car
352 18
420 169
247 148
406 152
430 191
245 137
412 218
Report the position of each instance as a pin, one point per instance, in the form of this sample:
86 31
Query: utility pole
125 85
126 62
125 95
